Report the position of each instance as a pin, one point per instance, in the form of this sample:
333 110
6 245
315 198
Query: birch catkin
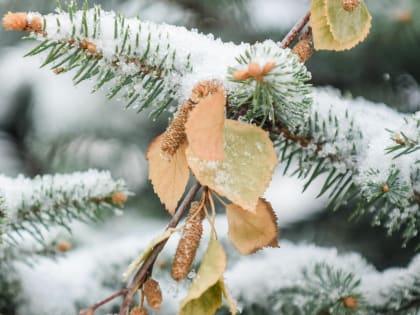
175 135
188 245
152 293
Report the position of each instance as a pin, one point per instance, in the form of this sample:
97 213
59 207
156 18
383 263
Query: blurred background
49 126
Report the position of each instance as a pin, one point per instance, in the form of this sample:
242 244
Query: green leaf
205 294
337 29
249 162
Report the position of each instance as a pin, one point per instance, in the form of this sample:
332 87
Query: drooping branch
147 266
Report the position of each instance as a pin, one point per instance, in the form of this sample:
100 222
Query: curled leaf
205 294
246 170
249 231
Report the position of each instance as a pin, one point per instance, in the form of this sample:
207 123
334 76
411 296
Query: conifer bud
138 310
268 67
119 198
35 24
254 70
188 245
350 5
350 302
241 75
15 21
91 47
303 49
63 246
152 293
174 135
385 188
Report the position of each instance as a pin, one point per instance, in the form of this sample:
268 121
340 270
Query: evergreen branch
35 205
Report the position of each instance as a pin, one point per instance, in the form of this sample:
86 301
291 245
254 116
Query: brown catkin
174 135
138 310
152 293
303 49
189 242
350 5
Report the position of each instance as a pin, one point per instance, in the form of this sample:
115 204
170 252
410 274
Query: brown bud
91 47
138 310
63 246
152 293
189 242
83 44
268 67
254 70
15 21
58 70
350 5
35 24
404 17
350 302
385 188
303 49
119 198
241 75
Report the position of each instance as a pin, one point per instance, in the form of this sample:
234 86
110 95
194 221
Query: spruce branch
36 205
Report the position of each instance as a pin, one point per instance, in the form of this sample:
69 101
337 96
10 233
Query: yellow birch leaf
231 303
146 253
169 174
323 38
348 28
249 231
207 304
334 28
246 170
204 127
205 294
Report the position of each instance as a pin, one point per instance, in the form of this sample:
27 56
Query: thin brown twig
94 307
143 272
294 32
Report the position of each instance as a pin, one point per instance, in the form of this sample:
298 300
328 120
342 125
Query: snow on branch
305 279
36 205
153 64
347 141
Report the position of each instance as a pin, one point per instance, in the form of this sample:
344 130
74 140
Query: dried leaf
249 231
205 294
246 170
169 175
337 29
204 127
